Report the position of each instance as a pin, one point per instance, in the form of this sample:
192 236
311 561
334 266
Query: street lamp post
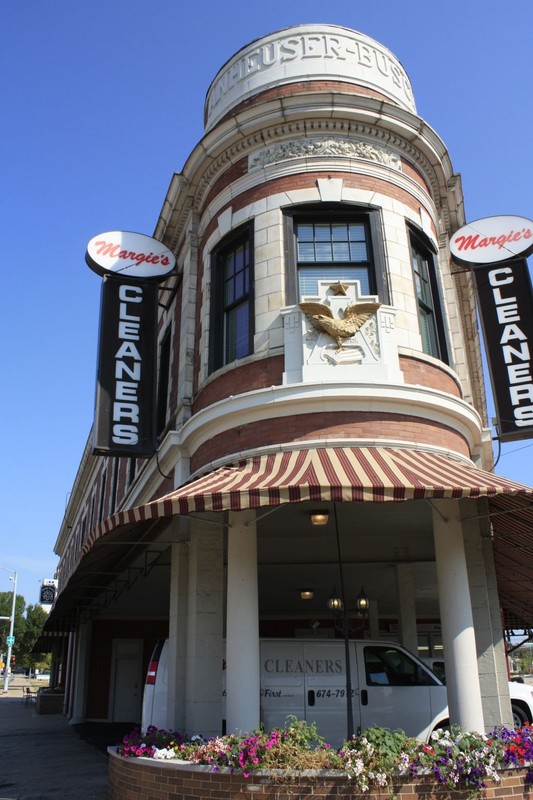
7 667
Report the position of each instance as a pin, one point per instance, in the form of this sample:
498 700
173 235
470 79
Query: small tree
33 624
28 623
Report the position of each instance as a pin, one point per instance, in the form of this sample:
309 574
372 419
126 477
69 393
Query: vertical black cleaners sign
506 307
124 423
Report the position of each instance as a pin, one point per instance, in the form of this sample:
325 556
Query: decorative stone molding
311 353
323 147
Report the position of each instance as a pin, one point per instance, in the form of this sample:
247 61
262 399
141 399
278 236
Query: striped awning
334 474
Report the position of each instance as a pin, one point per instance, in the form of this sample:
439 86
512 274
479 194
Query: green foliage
28 623
34 621
376 759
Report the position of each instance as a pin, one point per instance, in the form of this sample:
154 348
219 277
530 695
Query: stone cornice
377 125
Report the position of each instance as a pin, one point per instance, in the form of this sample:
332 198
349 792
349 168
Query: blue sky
102 103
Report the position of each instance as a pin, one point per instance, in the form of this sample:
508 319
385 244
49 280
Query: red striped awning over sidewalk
329 474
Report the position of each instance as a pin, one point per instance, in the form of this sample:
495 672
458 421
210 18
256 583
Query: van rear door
155 688
307 680
325 690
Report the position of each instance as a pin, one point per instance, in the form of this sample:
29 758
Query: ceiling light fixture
319 517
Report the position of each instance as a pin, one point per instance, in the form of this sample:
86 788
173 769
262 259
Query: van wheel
520 717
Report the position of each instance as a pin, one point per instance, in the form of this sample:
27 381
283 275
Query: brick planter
145 779
49 703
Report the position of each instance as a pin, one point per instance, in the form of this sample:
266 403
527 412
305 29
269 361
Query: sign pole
10 638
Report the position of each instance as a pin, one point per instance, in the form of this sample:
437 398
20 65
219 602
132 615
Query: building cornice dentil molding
349 139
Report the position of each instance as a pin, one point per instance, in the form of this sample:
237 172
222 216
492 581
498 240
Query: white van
154 711
391 688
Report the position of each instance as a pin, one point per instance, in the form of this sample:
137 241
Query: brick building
318 352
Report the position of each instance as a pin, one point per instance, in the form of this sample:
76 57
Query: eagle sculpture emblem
353 319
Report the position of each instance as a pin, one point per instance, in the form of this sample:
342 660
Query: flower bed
295 761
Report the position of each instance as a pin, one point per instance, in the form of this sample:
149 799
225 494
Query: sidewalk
43 757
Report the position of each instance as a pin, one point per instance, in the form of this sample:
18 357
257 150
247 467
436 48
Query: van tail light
151 674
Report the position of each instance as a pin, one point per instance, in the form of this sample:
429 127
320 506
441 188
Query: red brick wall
339 424
139 779
256 375
269 372
307 180
421 373
303 87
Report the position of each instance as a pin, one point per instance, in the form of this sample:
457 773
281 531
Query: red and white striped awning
334 474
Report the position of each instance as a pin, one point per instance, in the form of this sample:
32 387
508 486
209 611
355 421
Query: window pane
306 251
426 309
237 345
358 251
305 232
239 284
323 251
239 258
356 232
339 232
341 251
309 277
322 232
429 336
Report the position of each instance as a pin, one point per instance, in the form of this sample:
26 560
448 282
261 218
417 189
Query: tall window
103 486
232 300
339 243
163 381
429 314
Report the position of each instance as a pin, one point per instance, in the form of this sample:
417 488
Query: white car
521 695
43 676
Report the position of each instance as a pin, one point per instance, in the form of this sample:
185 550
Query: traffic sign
10 641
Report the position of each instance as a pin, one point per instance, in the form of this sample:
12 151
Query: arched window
232 312
428 297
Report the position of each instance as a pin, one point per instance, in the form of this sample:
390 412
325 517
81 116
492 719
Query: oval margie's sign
492 239
132 255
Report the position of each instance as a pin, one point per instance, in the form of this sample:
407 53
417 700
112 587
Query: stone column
177 625
406 597
204 637
462 679
242 634
81 657
492 659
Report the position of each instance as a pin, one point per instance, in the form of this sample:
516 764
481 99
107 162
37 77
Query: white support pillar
242 632
204 649
462 678
406 597
83 641
492 660
373 619
177 625
70 675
